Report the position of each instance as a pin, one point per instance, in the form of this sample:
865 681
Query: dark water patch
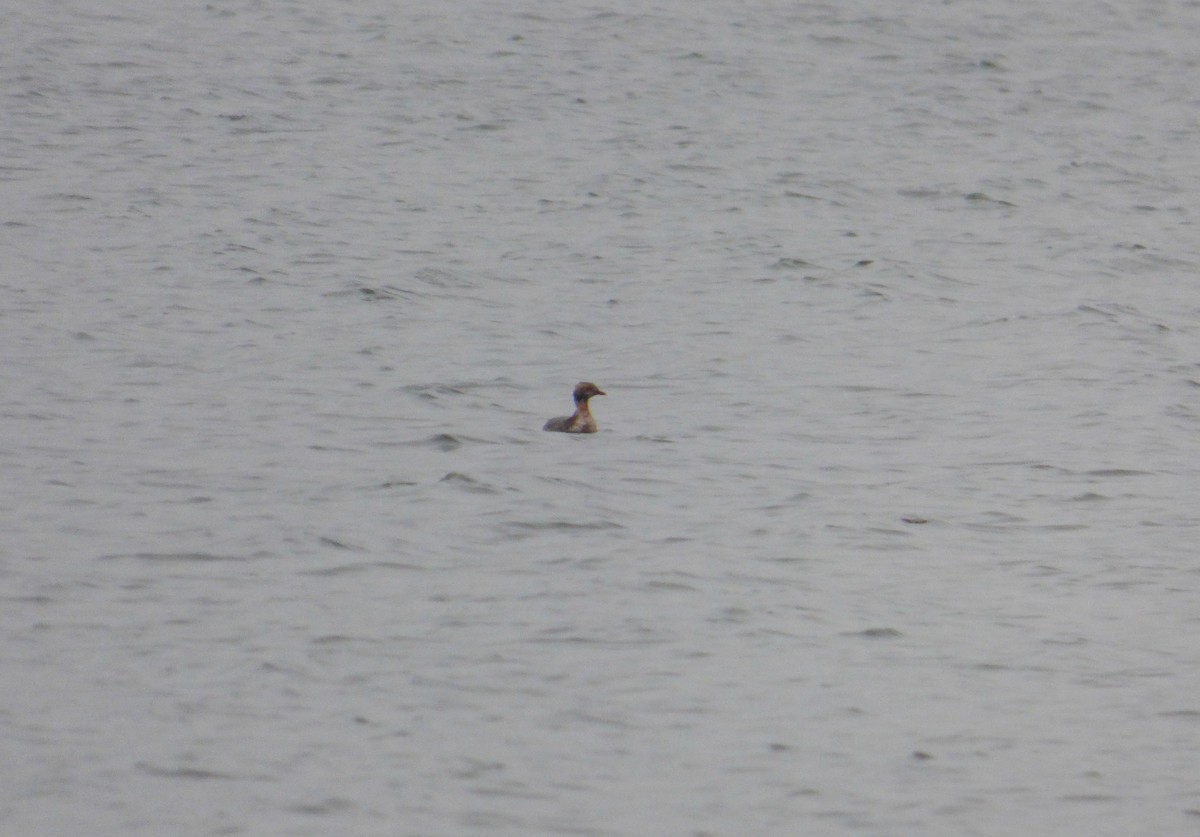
919 394
1184 714
443 441
889 531
325 540
332 448
1040 466
1127 585
35 599
875 633
383 293
37 415
982 199
672 586
70 196
177 557
776 509
790 560
569 637
402 566
861 388
1043 570
1183 411
1119 678
475 768
1089 797
693 167
1065 640
805 196
433 390
601 720
577 483
1017 463
1109 311
773 582
339 639
159 482
1118 472
997 520
361 567
562 526
468 483
182 772
486 126
341 569
792 263
1089 497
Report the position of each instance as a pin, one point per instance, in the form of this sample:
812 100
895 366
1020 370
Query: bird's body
581 420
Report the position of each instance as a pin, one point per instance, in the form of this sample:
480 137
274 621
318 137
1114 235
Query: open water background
891 524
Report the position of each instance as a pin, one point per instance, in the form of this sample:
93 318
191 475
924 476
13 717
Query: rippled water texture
888 528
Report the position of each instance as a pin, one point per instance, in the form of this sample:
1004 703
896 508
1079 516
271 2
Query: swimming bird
581 421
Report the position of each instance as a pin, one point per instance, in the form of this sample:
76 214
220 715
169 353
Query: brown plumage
581 421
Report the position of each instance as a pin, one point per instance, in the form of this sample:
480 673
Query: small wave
198 557
562 526
468 483
444 441
325 540
438 441
876 633
181 772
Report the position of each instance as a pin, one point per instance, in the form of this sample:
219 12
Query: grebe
581 421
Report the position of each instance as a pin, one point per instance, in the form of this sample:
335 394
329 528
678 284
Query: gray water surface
890 524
